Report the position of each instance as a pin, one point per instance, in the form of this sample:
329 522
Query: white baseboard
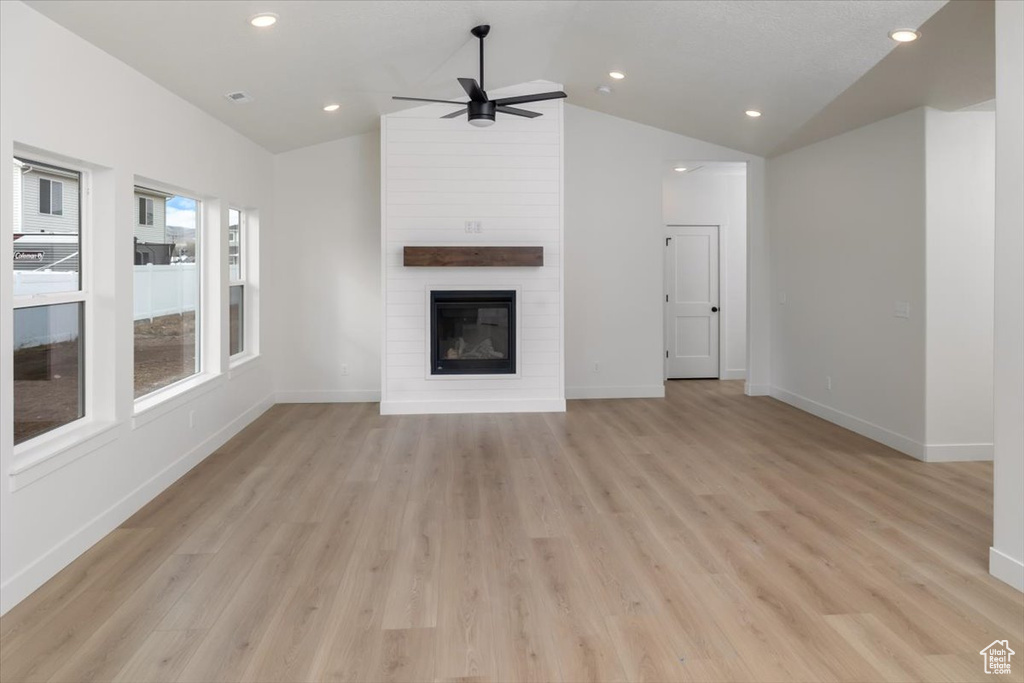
1006 569
643 391
939 452
443 407
21 585
348 396
757 389
958 452
733 374
899 442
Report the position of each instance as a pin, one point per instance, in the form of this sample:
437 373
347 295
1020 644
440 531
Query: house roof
28 166
150 192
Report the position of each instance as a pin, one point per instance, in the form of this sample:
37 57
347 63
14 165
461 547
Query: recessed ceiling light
264 20
679 169
753 113
904 35
332 107
604 90
617 75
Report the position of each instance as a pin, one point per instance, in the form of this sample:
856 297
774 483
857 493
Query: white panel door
691 301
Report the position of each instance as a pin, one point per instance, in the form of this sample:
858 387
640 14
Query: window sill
241 363
163 401
48 453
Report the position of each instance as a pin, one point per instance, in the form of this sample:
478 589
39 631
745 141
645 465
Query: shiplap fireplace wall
447 183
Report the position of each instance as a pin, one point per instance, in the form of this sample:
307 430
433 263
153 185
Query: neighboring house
46 209
152 243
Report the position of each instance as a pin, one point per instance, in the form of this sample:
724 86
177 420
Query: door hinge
666 353
666 298
667 240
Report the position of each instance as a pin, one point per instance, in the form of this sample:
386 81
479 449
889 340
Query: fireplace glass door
472 332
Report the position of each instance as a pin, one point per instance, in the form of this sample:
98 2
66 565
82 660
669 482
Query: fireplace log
467 257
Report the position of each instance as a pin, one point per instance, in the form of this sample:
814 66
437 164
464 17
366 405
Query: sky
181 212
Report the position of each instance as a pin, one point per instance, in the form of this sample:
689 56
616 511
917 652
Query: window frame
38 446
147 403
50 182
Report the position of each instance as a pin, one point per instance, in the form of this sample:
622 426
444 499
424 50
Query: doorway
692 302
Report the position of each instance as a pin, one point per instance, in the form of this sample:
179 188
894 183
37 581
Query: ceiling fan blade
473 90
459 112
517 112
539 97
424 99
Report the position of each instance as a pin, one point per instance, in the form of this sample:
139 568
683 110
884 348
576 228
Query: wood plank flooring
708 536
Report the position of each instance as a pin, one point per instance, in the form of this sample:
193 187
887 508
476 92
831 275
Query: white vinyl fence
159 290
162 290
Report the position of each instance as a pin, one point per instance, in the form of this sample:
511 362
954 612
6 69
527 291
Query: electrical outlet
474 227
782 298
191 419
597 367
344 369
828 382
901 309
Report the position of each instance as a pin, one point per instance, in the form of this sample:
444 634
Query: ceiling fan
480 108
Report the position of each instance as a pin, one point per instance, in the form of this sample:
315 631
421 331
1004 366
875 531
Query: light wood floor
707 536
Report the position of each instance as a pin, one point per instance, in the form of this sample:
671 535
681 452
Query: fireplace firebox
473 332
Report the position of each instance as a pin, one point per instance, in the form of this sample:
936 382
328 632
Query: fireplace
473 332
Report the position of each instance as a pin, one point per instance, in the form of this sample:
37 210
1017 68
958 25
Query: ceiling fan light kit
481 111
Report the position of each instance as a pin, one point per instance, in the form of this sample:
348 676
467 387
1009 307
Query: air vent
239 97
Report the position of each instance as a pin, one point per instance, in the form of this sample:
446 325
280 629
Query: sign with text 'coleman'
28 256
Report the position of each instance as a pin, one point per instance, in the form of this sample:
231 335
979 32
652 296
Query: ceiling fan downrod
481 32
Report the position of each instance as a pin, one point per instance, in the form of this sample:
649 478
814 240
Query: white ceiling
951 66
692 67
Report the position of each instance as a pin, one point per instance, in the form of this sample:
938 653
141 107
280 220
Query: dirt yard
47 378
46 389
165 351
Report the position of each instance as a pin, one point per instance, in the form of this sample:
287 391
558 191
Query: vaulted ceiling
691 67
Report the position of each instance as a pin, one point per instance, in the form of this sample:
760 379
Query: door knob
714 309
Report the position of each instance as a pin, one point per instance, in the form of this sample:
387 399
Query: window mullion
80 296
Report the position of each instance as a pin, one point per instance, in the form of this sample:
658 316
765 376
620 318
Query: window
236 319
167 295
51 197
49 301
236 288
145 211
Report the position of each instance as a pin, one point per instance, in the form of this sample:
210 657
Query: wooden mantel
468 257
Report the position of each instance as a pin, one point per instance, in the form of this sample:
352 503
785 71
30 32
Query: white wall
438 174
896 211
614 218
614 240
847 219
325 277
1006 560
712 196
84 491
960 151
